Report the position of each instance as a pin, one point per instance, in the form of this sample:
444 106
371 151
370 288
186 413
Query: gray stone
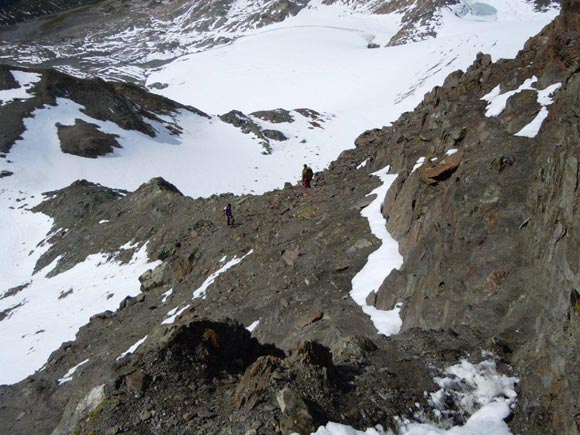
75 411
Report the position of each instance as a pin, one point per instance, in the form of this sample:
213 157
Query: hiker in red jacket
307 175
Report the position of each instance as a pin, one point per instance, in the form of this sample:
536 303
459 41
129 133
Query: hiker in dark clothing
229 214
307 175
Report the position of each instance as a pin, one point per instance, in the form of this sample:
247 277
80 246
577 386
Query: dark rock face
85 140
497 238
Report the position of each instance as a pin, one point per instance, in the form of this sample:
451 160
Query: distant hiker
307 175
229 214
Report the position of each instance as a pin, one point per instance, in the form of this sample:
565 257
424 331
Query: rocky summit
252 328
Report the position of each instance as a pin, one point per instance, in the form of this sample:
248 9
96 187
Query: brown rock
290 256
313 317
431 173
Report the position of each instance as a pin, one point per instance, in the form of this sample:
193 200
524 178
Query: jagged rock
153 278
312 317
359 244
5 173
136 382
313 353
296 417
277 116
85 140
275 135
352 349
258 378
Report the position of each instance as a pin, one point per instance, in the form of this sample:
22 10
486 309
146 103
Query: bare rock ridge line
488 226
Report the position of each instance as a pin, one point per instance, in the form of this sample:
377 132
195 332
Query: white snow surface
132 349
69 375
318 59
545 99
497 102
50 311
26 80
379 263
253 325
200 292
174 314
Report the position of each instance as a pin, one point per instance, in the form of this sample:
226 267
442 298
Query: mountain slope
483 206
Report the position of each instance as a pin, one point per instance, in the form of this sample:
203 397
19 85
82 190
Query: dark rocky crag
492 245
125 104
490 241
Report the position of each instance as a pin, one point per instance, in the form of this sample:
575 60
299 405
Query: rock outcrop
126 105
492 246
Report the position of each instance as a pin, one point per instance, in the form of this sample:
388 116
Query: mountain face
85 40
477 187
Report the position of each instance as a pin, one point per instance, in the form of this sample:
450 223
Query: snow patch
545 99
166 295
484 397
132 348
362 164
380 262
69 375
50 311
174 314
26 80
200 292
418 164
253 325
497 102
